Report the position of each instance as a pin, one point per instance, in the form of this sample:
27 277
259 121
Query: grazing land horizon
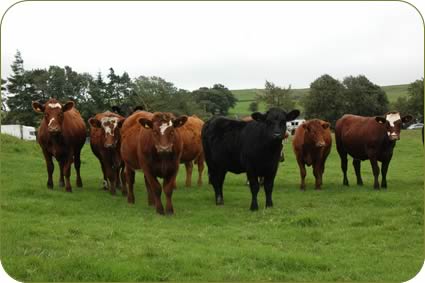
336 234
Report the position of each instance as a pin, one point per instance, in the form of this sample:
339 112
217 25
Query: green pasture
337 234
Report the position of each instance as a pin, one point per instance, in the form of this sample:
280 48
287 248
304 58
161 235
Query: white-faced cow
251 147
62 134
105 143
370 138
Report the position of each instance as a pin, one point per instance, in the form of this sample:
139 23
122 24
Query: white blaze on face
113 122
51 120
165 126
392 117
55 105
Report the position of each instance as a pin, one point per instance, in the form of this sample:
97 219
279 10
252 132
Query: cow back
190 134
131 132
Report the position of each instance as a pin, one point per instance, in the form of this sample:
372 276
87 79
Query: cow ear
180 121
120 122
305 126
407 118
94 123
292 115
38 107
325 125
146 123
380 120
257 116
68 106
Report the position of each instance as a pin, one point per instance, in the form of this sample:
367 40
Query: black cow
251 147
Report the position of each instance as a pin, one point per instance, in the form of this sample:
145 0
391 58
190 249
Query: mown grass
246 96
337 234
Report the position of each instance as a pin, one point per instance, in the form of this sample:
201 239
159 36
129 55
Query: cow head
275 120
110 125
314 131
392 122
163 127
53 113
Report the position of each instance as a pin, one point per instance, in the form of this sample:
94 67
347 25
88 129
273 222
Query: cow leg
255 187
384 170
357 165
105 178
155 188
50 168
129 179
201 167
317 172
112 177
151 198
189 169
123 181
268 188
77 165
375 169
344 165
67 174
217 180
168 186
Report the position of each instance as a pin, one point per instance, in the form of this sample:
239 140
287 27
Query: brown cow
105 144
151 143
370 138
312 143
62 134
190 134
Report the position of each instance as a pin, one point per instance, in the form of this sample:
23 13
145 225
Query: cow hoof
219 201
50 186
160 211
253 208
61 184
113 193
79 183
169 212
124 193
69 190
270 205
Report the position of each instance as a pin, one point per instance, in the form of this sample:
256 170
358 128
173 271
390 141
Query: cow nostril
320 144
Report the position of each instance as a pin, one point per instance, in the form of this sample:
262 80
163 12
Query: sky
237 44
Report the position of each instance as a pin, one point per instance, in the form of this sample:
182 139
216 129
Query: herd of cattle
156 144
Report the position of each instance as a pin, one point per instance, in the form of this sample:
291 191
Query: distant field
246 96
337 234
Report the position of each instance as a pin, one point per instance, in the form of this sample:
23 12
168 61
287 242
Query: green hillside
246 96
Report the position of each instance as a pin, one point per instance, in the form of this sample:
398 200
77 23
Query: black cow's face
110 126
163 127
393 122
275 119
53 113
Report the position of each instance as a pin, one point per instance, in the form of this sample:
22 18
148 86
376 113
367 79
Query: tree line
98 94
327 98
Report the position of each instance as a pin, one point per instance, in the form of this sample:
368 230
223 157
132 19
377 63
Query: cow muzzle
164 149
394 137
277 136
109 145
320 144
54 130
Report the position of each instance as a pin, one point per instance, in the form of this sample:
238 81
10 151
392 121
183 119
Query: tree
215 100
416 99
275 96
363 97
325 100
20 95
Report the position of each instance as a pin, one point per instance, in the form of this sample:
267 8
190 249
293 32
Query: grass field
337 234
246 96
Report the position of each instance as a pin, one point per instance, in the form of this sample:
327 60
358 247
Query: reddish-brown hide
151 143
190 134
370 138
61 134
312 143
105 144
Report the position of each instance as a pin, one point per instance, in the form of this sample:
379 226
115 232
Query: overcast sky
238 44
